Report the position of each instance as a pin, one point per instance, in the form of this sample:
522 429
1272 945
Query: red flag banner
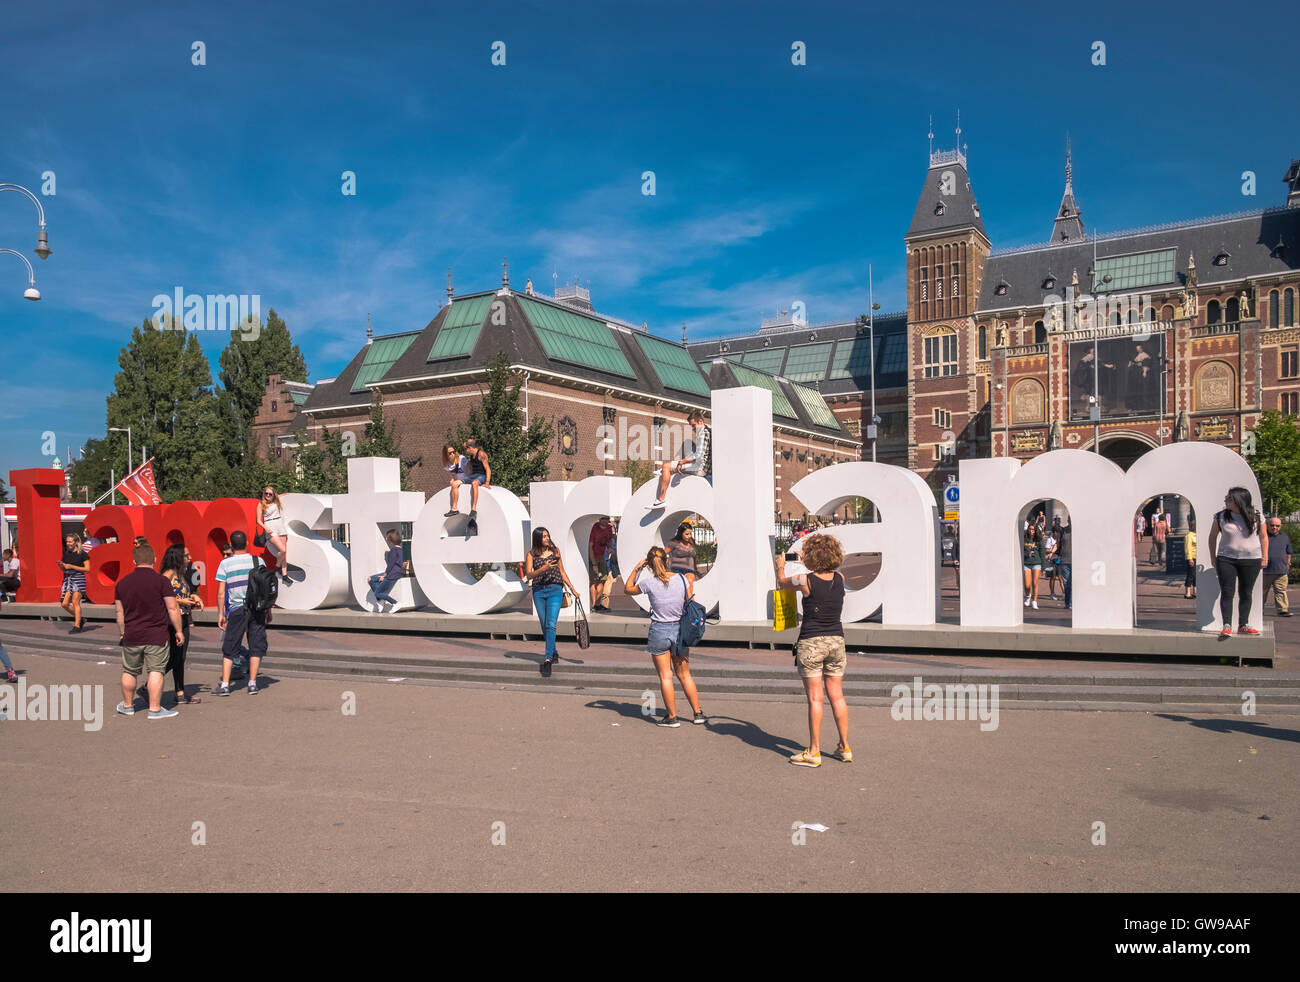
139 487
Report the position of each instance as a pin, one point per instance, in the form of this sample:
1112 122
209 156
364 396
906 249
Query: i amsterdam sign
1100 497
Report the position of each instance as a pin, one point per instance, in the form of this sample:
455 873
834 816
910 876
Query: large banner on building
1124 372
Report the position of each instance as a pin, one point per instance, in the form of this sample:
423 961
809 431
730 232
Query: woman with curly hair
1239 546
819 652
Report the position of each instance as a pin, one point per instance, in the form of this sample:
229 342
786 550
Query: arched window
1114 319
1151 314
1040 333
983 342
1273 308
1212 312
1132 314
1167 313
1234 311
1288 308
941 353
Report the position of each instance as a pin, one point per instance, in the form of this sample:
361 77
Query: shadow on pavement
741 729
1236 726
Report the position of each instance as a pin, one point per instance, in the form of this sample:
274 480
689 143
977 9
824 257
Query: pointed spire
505 274
931 134
683 332
370 330
1068 224
448 286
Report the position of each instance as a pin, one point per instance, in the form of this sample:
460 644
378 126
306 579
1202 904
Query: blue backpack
691 629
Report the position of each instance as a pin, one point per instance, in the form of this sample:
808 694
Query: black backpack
263 588
691 627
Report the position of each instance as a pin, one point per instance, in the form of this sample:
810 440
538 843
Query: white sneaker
1026 601
1034 605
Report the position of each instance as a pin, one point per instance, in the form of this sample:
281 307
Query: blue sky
775 183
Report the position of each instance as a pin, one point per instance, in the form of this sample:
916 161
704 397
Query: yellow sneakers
843 753
806 758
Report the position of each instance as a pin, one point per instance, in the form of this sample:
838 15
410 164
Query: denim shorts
663 637
477 479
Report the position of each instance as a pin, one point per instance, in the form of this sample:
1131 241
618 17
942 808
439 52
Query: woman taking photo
1032 550
819 653
667 592
681 552
1239 545
270 515
175 567
543 568
75 566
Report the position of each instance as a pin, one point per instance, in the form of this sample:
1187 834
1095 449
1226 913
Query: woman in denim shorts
668 593
819 653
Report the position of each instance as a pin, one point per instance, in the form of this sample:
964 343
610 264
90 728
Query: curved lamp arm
42 239
31 292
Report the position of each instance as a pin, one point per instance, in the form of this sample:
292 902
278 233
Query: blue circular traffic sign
951 493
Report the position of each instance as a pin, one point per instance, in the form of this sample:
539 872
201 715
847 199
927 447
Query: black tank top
822 607
476 464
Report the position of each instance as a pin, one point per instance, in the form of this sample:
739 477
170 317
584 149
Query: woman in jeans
1239 545
667 592
175 567
542 566
381 584
819 652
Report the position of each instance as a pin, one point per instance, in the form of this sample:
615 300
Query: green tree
1273 450
164 393
639 471
245 367
322 467
517 455
92 469
381 440
4 491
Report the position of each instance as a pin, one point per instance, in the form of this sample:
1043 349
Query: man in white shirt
9 577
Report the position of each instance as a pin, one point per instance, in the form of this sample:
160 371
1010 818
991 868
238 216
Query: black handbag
581 629
260 540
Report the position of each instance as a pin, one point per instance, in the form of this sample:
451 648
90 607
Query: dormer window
1002 288
1279 250
1222 258
724 348
1050 282
812 336
975 208
939 208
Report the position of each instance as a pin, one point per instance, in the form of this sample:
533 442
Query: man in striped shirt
236 619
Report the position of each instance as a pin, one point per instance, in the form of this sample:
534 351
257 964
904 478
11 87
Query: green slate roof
380 355
571 337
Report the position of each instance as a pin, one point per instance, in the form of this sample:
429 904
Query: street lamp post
31 293
873 428
42 238
1095 410
127 431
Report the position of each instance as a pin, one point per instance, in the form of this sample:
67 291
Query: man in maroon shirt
602 534
145 603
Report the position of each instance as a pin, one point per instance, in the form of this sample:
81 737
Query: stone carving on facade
1216 387
1000 336
1183 428
1243 306
1054 438
1027 402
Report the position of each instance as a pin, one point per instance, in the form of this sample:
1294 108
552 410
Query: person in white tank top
270 514
1239 546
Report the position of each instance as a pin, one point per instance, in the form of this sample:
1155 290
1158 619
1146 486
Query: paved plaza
293 794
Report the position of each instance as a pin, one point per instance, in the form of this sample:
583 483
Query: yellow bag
785 609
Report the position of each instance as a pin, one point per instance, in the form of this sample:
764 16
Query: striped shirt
233 572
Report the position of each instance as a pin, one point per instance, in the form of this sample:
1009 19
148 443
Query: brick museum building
1126 340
